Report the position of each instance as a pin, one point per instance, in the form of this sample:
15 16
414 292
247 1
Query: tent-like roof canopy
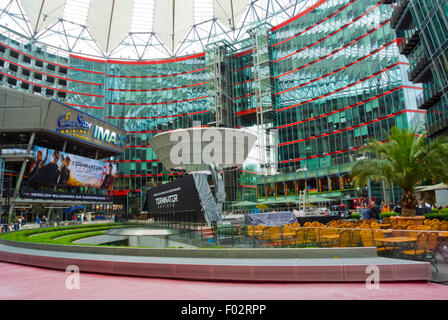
141 29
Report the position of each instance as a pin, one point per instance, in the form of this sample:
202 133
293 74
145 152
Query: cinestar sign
66 123
108 136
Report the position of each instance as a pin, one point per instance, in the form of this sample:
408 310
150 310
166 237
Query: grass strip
35 235
70 239
50 237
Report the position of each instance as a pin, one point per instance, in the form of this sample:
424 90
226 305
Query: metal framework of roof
140 29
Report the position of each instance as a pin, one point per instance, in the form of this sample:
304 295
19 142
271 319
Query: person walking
375 210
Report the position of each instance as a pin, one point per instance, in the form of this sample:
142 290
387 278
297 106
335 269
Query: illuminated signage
65 122
80 128
108 136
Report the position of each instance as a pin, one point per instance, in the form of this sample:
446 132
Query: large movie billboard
52 167
179 195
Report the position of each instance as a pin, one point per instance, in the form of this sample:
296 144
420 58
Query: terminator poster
52 167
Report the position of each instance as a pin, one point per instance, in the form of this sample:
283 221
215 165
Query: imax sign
107 135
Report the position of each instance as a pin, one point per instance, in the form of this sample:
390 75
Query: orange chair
289 235
307 224
250 231
436 226
424 227
301 238
381 245
345 237
311 235
419 249
431 247
356 238
375 225
444 226
272 236
367 238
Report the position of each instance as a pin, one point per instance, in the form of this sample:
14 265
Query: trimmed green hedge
439 216
442 216
48 235
388 215
356 216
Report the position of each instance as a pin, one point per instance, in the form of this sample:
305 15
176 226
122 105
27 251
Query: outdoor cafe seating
403 240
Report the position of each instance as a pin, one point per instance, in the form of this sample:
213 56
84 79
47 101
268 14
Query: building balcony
438 128
421 72
430 96
408 44
401 17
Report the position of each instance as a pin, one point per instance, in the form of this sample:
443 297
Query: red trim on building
300 15
163 61
83 106
160 117
335 51
158 76
171 60
315 25
154 103
159 131
346 108
243 53
147 175
160 89
55 64
330 35
239 69
242 186
147 146
340 69
246 112
326 154
243 82
123 192
121 161
245 96
87 58
349 128
48 74
55 89
342 89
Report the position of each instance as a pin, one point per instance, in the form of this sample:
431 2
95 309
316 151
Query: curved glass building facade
315 88
423 25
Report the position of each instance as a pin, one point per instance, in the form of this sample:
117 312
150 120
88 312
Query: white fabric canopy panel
110 21
229 12
172 20
42 13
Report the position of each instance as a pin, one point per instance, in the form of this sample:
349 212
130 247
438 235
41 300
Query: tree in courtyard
404 159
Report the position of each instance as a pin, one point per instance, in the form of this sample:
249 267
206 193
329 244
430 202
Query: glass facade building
315 88
423 25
